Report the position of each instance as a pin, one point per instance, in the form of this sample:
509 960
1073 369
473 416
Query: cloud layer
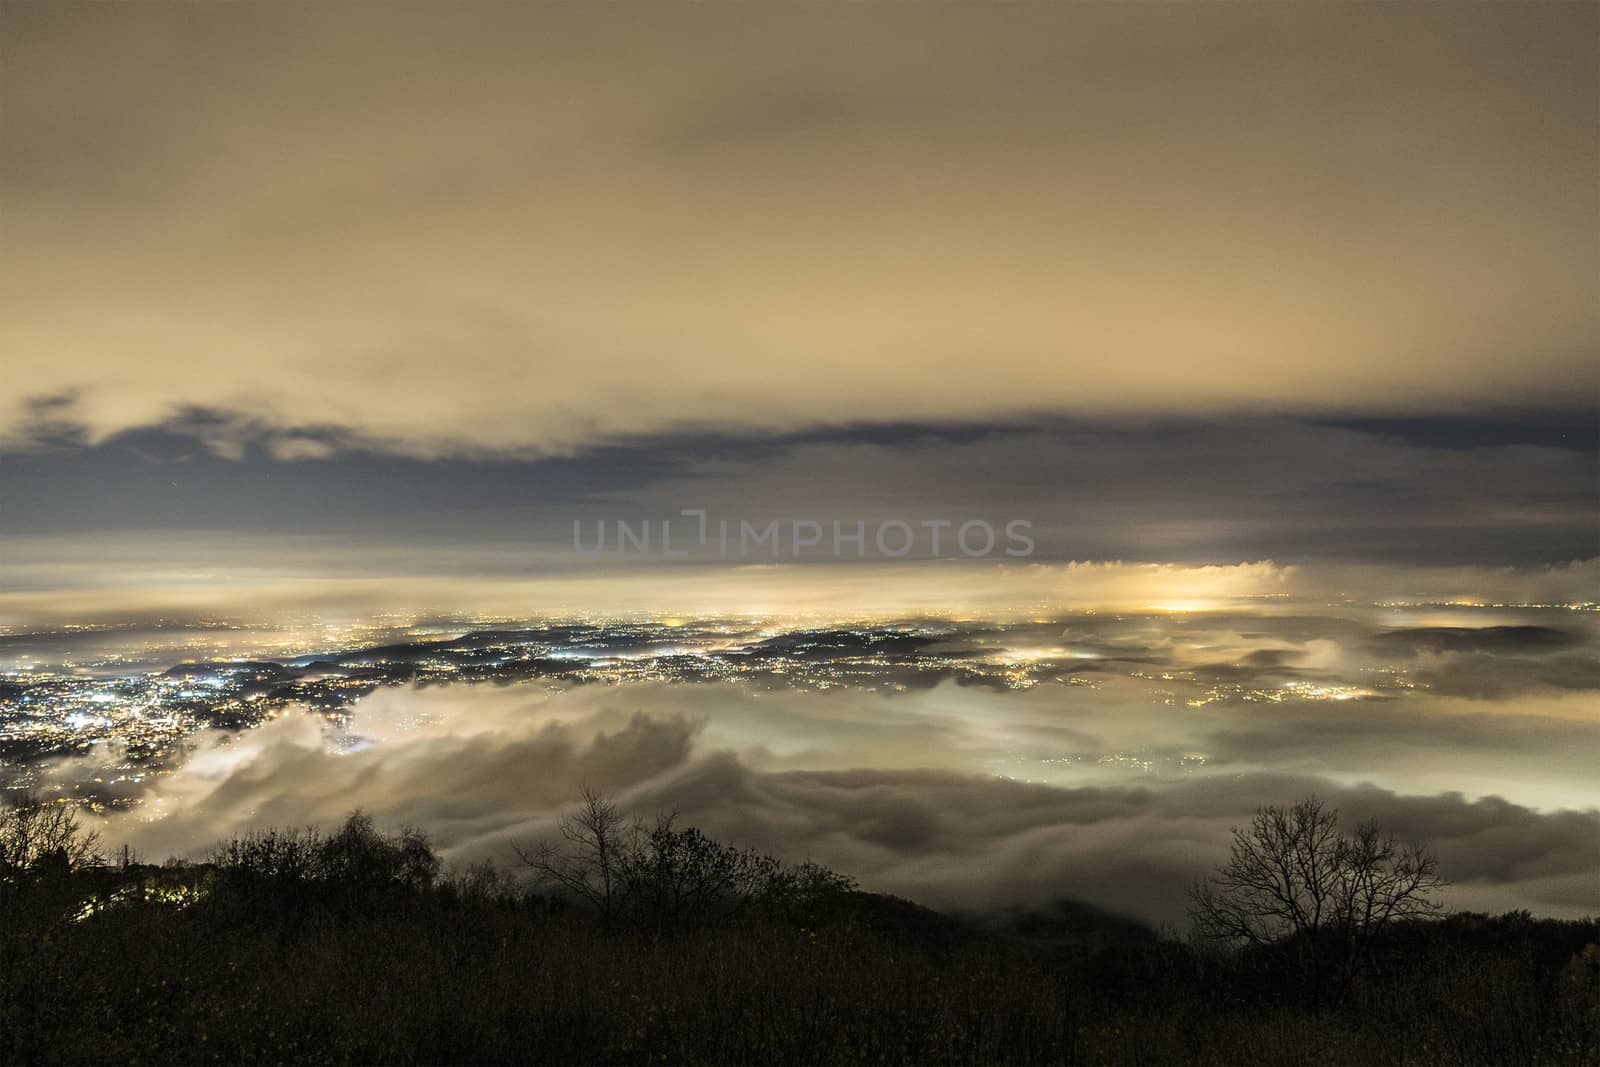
534 228
196 581
955 797
156 524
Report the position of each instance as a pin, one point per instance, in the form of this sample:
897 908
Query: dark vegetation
619 942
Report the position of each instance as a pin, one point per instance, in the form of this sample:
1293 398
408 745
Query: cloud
1317 500
488 769
1175 490
1492 639
1498 677
1493 661
535 229
924 794
192 579
961 841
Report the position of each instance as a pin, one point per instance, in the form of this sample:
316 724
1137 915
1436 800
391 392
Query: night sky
345 292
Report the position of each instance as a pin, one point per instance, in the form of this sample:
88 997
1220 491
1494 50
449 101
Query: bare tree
663 876
1292 879
590 860
680 877
37 836
42 849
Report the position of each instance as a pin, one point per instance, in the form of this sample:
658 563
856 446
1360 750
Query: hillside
356 948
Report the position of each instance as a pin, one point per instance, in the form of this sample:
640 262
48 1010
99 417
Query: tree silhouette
1294 881
664 876
35 836
43 850
588 862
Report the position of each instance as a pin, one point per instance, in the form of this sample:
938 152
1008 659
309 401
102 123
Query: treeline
624 942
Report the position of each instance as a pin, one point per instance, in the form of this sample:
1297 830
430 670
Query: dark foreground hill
354 949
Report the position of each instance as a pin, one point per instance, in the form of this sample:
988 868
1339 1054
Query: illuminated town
136 721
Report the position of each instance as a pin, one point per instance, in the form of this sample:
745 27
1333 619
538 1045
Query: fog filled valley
1101 757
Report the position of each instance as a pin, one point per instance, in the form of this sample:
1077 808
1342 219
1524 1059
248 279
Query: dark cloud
1494 662
1263 489
1494 639
1248 489
1499 677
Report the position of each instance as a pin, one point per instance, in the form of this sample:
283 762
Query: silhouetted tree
282 871
588 862
35 835
1293 880
359 856
664 876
